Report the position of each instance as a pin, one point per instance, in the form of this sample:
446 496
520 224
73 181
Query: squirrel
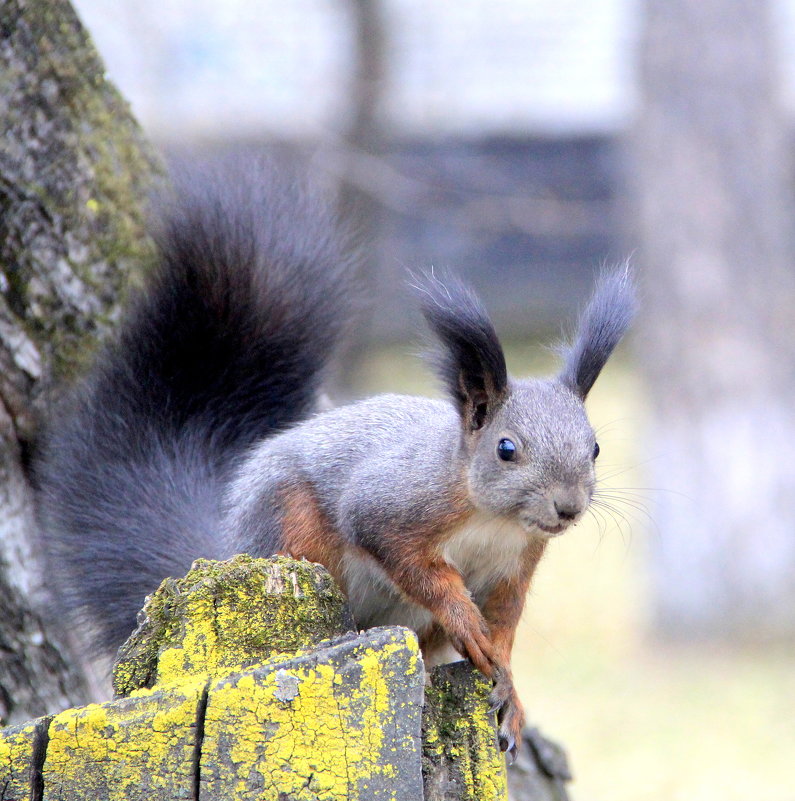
197 433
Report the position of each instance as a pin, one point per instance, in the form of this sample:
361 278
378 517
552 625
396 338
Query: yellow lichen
16 754
227 615
126 748
321 739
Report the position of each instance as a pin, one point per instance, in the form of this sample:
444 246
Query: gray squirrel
196 434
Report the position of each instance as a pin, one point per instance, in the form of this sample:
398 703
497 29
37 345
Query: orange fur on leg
307 532
503 610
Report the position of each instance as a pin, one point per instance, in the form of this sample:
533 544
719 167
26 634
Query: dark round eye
595 449
506 450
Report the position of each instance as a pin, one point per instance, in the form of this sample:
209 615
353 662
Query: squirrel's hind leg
306 531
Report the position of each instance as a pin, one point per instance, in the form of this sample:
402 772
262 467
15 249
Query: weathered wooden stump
244 681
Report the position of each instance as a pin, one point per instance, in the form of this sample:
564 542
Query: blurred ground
641 721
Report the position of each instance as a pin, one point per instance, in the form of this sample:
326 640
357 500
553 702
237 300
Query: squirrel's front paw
511 722
478 648
503 689
510 714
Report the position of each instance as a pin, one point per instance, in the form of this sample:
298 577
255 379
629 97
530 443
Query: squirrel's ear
471 363
602 324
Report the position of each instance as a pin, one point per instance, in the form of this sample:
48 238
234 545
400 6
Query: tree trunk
74 171
347 158
715 215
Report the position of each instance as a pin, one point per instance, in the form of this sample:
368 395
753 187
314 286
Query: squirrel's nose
566 511
568 506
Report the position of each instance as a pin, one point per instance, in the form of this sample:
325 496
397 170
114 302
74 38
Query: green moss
88 210
227 615
459 734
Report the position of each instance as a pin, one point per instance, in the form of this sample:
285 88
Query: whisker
666 490
621 523
633 503
601 524
631 510
639 504
622 422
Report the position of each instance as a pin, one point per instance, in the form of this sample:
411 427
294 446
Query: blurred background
524 144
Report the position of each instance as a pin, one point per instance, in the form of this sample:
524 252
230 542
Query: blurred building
472 68
500 121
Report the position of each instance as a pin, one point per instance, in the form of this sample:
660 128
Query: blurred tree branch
380 181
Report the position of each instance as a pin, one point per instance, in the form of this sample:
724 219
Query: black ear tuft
471 364
604 321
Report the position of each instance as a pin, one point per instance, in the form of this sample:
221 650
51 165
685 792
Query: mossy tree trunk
74 172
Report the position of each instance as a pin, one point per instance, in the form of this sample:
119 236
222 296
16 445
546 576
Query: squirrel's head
529 446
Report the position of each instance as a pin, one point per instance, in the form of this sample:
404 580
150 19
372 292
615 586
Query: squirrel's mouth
533 527
553 530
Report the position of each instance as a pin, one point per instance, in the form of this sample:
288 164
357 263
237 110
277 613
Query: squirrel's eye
506 450
595 449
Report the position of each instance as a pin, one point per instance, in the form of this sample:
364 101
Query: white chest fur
485 550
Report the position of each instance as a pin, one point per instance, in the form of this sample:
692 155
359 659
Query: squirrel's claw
503 690
510 719
508 745
497 698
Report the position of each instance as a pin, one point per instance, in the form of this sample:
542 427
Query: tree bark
715 215
74 172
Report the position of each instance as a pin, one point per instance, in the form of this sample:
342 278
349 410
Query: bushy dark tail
228 342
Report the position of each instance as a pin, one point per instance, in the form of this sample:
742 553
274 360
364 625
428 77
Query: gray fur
391 463
603 323
353 456
183 438
228 342
554 462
